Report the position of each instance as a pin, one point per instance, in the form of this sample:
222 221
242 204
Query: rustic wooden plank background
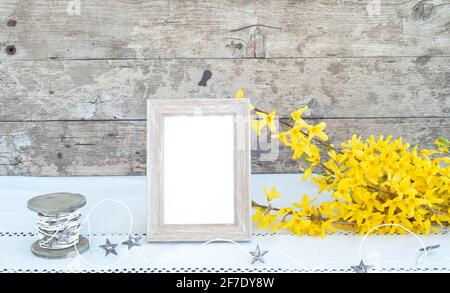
74 75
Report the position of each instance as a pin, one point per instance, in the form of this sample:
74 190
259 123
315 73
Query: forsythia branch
303 132
373 181
319 218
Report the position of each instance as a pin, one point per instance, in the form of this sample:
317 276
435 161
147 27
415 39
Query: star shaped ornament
258 255
361 268
109 248
132 241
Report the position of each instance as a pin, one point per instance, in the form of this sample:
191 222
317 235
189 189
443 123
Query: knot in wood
423 10
11 23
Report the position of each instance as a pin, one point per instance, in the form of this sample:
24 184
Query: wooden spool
55 204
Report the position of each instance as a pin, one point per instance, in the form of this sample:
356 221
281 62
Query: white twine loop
419 258
130 227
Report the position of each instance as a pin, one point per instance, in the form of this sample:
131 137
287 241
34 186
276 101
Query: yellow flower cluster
372 182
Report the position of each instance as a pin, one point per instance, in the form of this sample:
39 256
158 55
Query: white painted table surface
287 253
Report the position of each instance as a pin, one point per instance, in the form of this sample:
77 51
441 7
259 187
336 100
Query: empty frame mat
198 170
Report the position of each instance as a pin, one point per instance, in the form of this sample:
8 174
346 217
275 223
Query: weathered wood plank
72 148
223 29
119 148
332 87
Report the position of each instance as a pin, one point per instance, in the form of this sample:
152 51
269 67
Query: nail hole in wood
11 50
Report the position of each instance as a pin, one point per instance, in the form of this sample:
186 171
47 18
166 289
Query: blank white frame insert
195 147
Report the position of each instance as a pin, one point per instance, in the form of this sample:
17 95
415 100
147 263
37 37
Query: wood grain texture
80 29
72 148
119 148
332 87
75 74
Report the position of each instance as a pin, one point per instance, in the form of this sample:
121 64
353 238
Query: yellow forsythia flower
239 94
272 194
266 119
317 130
443 144
257 125
296 115
263 219
427 153
307 174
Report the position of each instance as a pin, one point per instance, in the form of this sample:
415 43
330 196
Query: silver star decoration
258 255
361 268
109 248
132 241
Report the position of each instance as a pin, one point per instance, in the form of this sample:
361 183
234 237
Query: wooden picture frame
169 219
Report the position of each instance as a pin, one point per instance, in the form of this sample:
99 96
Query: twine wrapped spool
58 225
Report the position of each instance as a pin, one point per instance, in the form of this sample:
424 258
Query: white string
242 248
130 217
288 256
395 225
190 251
293 260
58 231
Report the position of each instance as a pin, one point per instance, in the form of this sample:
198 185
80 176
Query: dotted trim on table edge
219 270
211 270
263 234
